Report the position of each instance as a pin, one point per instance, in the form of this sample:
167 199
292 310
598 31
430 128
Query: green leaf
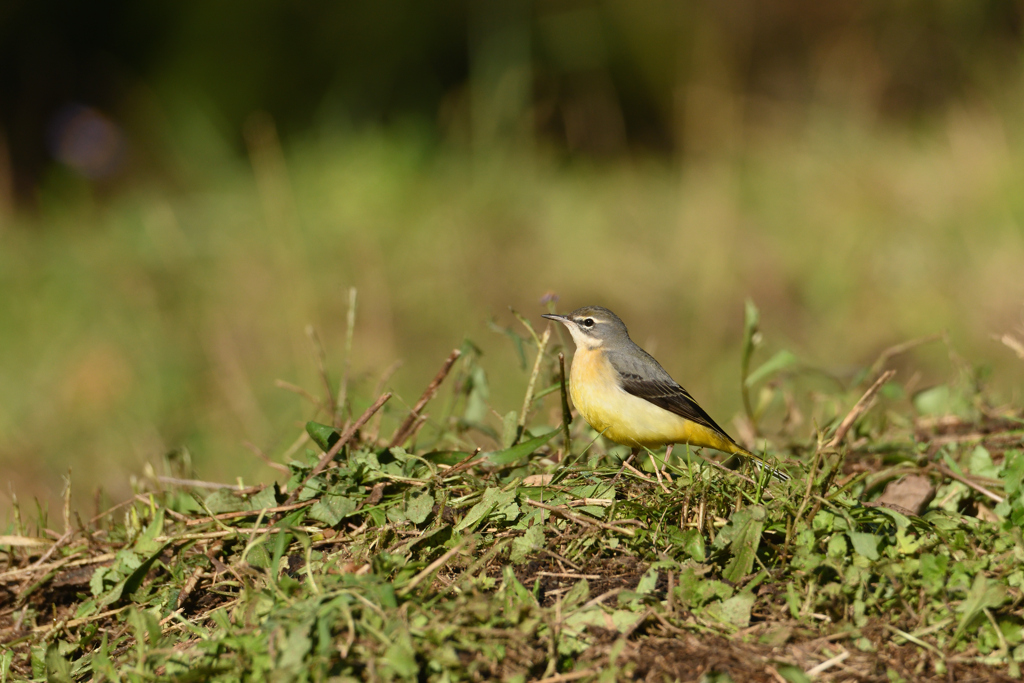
743 534
792 673
323 435
509 429
693 544
984 594
58 670
96 582
230 500
734 611
445 457
1013 471
621 619
401 658
131 583
492 499
933 570
648 582
419 506
864 544
980 463
519 452
331 508
527 543
578 594
780 361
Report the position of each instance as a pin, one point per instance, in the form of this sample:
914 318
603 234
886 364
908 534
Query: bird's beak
560 318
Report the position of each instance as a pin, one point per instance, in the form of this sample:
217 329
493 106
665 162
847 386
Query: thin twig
566 415
967 482
194 483
65 562
404 430
350 323
578 519
528 399
248 513
339 444
463 464
829 663
861 407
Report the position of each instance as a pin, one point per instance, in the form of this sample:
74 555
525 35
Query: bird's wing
642 376
645 378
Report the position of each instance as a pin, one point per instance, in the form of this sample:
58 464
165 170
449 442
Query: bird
625 394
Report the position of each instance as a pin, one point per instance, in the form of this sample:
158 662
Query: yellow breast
625 418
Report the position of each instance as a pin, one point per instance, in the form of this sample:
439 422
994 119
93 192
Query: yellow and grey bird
625 394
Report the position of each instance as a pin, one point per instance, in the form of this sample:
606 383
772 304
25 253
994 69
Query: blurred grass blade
513 455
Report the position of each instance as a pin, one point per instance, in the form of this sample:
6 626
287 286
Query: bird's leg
664 465
625 462
658 473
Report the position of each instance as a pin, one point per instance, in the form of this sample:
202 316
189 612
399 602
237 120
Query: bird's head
593 326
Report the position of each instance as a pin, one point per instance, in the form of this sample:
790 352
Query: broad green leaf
734 611
493 497
941 400
647 582
419 506
933 570
527 543
519 452
864 544
1013 471
331 508
401 658
229 500
743 534
980 463
323 435
295 646
693 544
445 457
58 670
579 593
836 546
984 594
131 583
621 619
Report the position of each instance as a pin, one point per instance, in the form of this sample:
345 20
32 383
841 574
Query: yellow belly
628 419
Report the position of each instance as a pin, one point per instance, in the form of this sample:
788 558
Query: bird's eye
589 322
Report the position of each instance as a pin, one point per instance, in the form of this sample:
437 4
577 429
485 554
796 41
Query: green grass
162 317
531 561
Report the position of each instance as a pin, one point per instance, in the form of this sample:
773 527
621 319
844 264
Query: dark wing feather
671 397
658 387
642 376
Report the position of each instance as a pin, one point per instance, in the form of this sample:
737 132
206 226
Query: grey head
594 326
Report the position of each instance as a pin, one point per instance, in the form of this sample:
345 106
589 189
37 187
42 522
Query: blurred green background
185 186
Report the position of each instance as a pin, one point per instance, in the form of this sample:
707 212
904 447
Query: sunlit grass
162 318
